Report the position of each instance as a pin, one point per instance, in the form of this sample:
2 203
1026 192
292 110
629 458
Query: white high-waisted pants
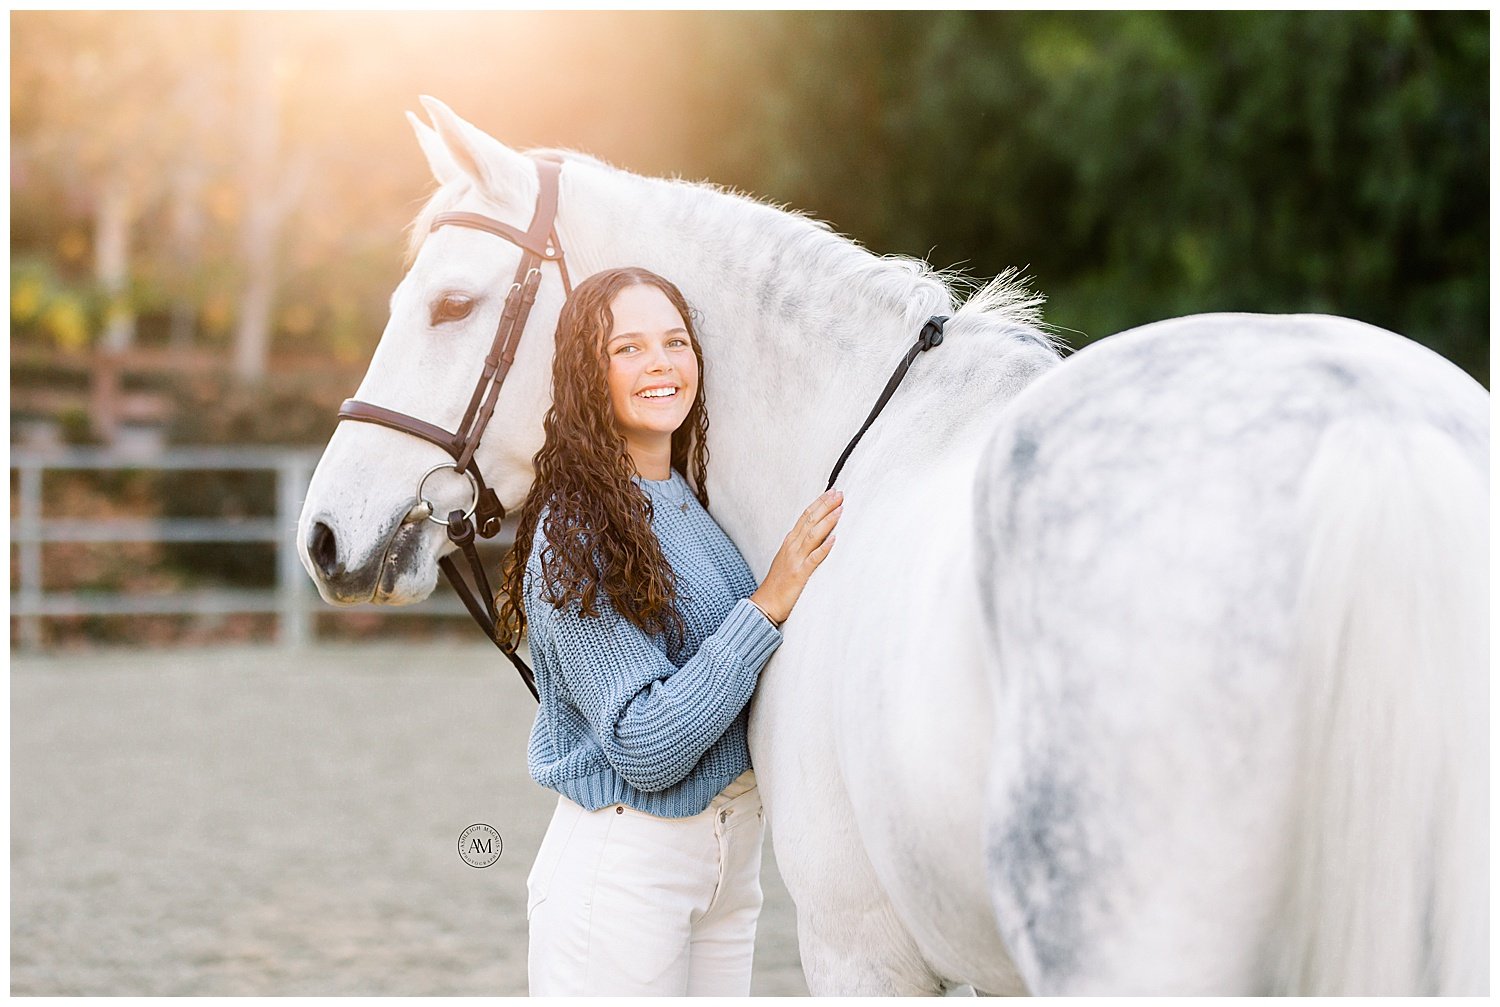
622 902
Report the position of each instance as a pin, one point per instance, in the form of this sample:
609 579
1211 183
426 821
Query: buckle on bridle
489 513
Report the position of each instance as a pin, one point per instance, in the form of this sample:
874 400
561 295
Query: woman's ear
499 172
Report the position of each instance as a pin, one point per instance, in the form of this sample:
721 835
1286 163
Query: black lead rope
930 336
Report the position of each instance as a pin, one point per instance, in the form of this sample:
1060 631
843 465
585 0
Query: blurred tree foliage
160 105
1143 165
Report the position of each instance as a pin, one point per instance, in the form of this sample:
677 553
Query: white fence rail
293 599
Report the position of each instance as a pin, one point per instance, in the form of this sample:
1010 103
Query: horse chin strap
539 244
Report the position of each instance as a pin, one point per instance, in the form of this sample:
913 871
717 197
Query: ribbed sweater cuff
750 634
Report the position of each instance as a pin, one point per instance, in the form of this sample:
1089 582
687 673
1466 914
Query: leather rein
539 244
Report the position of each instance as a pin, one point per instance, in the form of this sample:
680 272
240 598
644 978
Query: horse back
1140 548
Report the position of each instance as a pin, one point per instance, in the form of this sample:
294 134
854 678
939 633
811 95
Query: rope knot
932 332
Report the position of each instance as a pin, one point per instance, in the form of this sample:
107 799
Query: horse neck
800 331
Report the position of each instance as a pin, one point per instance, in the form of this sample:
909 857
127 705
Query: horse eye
451 309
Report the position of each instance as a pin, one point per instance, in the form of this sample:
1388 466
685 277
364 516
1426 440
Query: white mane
900 283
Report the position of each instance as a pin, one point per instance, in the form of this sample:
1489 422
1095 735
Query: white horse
1158 670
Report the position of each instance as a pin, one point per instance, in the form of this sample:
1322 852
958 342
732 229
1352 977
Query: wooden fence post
297 629
30 521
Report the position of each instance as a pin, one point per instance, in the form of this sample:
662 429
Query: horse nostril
323 549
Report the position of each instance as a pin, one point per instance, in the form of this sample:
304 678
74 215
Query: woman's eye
451 309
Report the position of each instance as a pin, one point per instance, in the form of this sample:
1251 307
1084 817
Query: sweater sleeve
654 720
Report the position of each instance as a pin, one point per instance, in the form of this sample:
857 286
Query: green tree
1142 164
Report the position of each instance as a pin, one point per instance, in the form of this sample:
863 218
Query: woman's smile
652 375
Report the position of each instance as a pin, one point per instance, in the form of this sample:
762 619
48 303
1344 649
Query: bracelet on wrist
763 612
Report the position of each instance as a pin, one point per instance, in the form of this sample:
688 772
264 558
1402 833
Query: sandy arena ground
262 822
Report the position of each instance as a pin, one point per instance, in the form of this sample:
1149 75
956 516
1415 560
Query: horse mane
904 284
901 283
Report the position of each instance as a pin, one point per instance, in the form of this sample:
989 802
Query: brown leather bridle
538 244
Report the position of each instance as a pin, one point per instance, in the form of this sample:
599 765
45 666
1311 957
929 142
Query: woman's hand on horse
804 547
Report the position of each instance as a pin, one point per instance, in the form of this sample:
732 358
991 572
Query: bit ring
432 516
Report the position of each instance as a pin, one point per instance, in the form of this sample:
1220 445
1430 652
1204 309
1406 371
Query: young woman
648 633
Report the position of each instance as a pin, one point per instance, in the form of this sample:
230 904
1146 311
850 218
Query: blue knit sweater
622 722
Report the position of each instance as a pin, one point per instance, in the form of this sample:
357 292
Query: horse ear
444 168
498 171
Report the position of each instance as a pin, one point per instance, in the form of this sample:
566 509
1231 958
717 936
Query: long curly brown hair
598 526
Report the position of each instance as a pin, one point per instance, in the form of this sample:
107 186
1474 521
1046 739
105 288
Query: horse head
363 534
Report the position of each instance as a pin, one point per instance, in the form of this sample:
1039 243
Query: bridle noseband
538 244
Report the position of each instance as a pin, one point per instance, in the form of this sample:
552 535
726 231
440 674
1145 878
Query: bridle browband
538 244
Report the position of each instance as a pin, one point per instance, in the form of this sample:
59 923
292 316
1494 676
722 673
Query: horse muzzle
398 571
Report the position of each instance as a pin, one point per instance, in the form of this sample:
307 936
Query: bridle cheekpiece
539 244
